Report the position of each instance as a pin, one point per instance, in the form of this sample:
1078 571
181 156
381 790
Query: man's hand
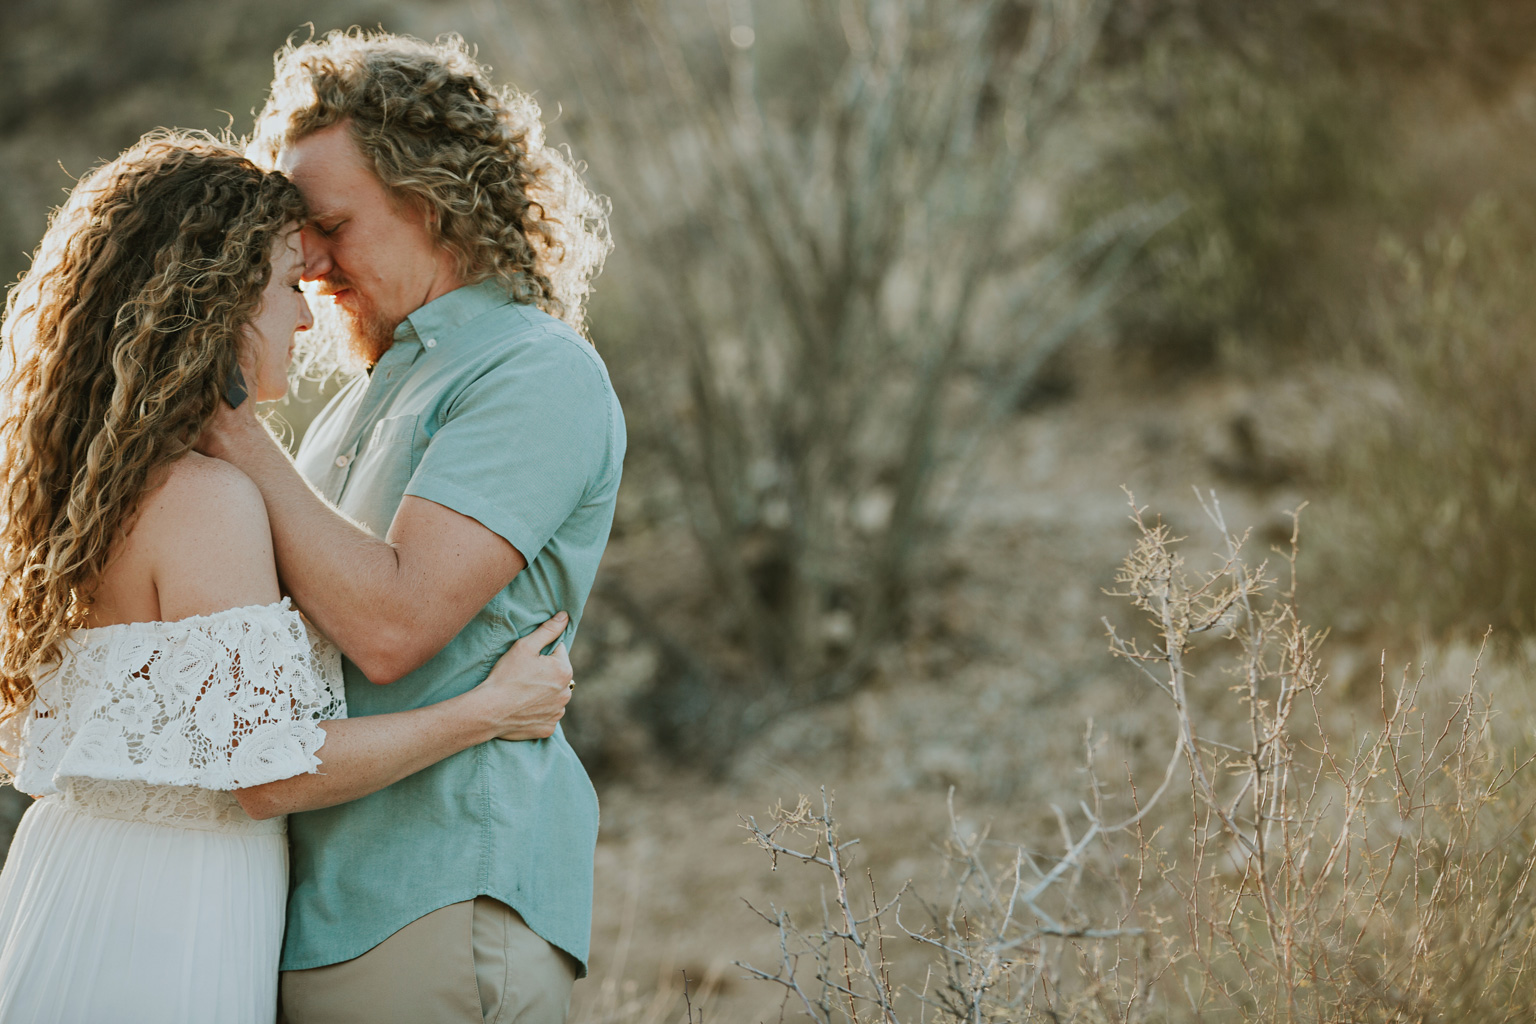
526 692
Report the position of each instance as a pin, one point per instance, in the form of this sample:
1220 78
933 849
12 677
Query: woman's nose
306 316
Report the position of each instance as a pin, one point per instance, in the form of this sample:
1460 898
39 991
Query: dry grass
1290 865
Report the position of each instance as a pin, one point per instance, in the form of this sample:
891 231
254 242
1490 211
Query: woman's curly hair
117 345
439 134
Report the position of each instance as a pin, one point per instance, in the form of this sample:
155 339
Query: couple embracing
202 636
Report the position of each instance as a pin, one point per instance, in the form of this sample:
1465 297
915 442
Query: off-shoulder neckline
246 610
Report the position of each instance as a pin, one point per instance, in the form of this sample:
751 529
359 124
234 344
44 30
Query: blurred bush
1435 516
1301 135
1264 133
1280 123
81 80
1261 158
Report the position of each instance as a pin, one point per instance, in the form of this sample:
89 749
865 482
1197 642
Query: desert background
905 296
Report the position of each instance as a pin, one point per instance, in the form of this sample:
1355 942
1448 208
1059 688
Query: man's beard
369 332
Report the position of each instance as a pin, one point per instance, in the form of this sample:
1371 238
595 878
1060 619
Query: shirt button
430 343
342 460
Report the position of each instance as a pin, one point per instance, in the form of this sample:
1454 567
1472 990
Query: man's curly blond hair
439 134
118 343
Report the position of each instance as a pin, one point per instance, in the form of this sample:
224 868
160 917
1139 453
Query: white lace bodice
176 713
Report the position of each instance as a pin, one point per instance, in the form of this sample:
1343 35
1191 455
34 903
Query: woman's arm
524 697
211 549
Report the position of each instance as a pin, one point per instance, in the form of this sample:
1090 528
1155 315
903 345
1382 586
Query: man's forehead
327 155
329 170
324 201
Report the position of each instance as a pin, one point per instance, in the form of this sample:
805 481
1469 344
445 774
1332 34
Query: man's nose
317 255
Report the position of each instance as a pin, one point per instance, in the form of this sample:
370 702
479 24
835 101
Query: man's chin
369 334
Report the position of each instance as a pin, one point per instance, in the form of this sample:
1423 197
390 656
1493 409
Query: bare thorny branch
1378 874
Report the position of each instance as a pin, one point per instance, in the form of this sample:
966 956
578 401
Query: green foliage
1259 160
1264 139
1281 123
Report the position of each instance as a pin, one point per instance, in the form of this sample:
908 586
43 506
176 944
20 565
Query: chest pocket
376 481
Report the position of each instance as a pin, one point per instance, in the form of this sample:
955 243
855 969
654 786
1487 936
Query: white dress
136 889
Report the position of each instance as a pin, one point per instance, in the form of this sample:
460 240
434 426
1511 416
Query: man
448 500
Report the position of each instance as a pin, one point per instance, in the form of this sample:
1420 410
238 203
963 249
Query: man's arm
389 604
523 698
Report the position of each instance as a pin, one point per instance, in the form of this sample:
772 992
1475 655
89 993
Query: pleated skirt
127 921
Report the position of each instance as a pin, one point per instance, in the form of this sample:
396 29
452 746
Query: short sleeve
520 447
217 702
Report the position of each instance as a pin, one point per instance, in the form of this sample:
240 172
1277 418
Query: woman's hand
526 692
523 698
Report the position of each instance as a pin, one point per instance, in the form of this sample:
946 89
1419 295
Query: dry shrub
1435 520
1307 867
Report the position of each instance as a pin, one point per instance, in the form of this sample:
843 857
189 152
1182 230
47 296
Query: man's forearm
391 604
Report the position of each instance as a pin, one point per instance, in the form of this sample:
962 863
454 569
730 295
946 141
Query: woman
165 703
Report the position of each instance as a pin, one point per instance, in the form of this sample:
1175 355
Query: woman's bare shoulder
196 474
197 495
204 528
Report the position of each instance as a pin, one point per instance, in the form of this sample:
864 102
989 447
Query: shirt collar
438 318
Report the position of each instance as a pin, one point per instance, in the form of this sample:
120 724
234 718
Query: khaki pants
472 962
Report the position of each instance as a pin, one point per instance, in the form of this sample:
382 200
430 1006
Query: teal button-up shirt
504 414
